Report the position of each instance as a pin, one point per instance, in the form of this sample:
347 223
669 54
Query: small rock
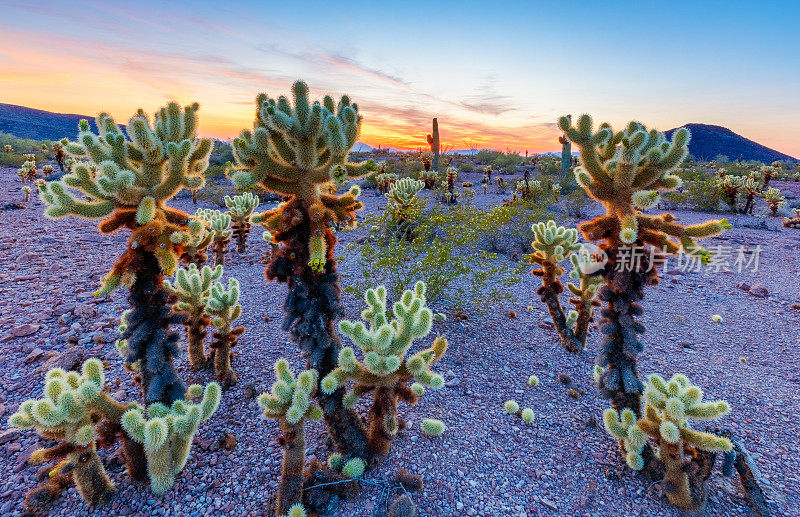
759 290
8 435
24 330
85 311
743 286
35 354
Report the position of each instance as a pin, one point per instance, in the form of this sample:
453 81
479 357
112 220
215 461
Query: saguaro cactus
71 412
167 432
433 142
296 149
220 227
566 151
289 402
624 171
133 181
224 306
385 370
669 405
192 287
241 209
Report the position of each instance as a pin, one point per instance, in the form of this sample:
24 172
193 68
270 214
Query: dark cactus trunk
149 337
312 304
290 488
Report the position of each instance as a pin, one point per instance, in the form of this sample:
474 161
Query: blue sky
496 74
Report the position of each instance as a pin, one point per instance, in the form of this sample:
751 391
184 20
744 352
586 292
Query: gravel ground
486 463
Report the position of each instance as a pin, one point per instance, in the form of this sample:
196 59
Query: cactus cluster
429 179
385 180
526 187
450 194
731 188
289 402
668 407
403 204
219 225
553 244
625 171
241 209
167 432
71 412
28 170
385 370
26 190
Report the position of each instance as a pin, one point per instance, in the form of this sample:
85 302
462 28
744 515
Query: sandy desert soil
486 463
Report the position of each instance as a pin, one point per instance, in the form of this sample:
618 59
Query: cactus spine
624 171
224 306
192 287
129 183
241 209
289 402
669 405
296 149
167 432
385 370
433 142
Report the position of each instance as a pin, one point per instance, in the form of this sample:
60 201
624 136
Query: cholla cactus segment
167 432
624 171
432 427
511 407
385 369
223 305
354 468
47 170
69 412
297 510
533 381
528 416
134 178
196 241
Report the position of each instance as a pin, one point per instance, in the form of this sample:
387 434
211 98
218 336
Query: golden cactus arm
706 441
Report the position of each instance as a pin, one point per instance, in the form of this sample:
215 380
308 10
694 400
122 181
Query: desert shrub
468 166
213 192
702 195
576 203
444 252
221 153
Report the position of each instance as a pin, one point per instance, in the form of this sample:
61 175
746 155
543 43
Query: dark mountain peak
709 141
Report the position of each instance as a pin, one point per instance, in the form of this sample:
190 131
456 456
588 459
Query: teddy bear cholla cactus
403 202
26 190
668 407
552 245
196 242
241 209
224 306
385 370
192 288
219 224
133 181
289 402
167 432
296 149
774 199
8 148
429 179
73 411
625 172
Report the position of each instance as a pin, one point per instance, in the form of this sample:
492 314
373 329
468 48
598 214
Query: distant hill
39 124
709 141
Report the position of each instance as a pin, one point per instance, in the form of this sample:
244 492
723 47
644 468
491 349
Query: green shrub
444 252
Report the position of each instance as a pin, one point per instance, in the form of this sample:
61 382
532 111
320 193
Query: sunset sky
497 74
